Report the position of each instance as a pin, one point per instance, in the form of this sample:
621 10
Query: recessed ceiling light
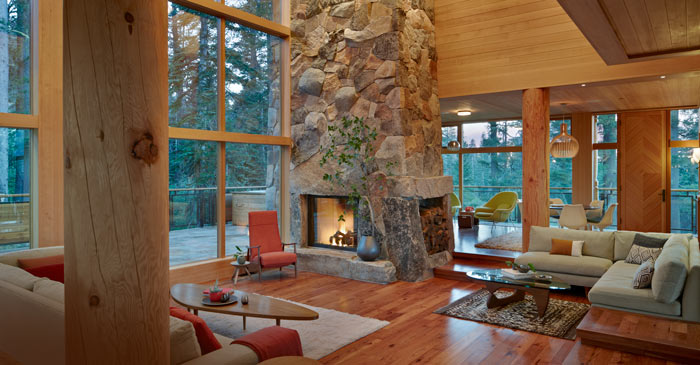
583 85
464 113
662 76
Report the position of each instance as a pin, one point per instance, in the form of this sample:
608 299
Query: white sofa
32 316
675 291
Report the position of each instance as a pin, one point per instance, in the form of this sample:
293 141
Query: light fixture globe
564 145
453 146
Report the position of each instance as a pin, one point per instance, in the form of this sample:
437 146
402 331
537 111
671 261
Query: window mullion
221 153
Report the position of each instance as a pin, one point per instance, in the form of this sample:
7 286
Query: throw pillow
205 337
40 261
561 247
643 275
577 248
52 272
644 248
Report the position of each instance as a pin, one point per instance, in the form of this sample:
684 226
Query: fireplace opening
325 228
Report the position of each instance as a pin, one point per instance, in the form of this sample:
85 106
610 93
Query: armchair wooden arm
249 252
294 245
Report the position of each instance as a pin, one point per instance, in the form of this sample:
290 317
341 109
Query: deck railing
196 207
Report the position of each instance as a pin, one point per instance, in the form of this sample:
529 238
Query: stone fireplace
373 59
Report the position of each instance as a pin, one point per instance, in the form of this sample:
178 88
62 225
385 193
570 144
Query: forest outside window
15 57
15 186
267 9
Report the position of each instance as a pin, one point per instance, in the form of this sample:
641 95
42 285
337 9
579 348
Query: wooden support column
116 181
535 161
582 164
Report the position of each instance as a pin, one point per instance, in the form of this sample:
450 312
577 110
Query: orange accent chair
266 248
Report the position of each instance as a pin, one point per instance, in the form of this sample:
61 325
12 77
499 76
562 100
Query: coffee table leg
542 300
244 323
494 301
278 321
195 311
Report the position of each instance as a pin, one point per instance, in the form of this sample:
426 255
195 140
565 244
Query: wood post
582 164
535 161
116 182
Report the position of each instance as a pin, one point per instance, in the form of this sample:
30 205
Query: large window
605 161
684 173
228 133
560 169
492 134
15 183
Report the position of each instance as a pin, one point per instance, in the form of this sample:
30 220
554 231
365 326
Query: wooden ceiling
625 31
488 46
678 90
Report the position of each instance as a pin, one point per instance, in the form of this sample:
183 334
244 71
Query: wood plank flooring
418 336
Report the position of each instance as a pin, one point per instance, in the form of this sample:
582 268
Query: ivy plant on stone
351 148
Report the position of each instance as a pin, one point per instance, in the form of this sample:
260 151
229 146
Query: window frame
225 13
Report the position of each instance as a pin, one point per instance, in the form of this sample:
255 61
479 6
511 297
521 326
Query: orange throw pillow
561 247
205 337
39 262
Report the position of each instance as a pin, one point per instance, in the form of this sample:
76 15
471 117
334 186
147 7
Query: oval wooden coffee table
190 296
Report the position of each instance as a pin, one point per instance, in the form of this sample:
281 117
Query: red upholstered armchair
266 247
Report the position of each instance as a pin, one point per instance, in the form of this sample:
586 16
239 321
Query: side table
238 267
466 220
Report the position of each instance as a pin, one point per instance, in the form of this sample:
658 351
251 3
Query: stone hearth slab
345 264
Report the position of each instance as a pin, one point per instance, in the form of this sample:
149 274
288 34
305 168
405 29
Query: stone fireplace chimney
373 59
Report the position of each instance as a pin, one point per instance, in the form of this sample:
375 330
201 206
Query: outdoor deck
197 244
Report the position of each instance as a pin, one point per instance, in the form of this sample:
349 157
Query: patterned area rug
512 241
331 331
560 320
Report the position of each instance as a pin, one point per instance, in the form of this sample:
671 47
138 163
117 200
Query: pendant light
564 145
453 146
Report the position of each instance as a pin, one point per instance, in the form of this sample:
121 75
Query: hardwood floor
467 238
418 336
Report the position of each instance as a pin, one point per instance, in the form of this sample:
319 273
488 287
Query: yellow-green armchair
455 204
498 208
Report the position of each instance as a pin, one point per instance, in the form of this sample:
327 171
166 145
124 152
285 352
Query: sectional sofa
675 287
32 316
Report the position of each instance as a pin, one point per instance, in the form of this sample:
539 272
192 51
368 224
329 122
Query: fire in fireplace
325 228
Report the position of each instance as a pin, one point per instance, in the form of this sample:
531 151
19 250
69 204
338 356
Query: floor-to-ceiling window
17 125
605 161
683 171
229 124
560 173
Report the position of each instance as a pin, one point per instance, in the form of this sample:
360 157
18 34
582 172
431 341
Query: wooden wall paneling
49 192
535 161
582 164
116 179
642 141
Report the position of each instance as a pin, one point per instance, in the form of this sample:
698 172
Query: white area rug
331 331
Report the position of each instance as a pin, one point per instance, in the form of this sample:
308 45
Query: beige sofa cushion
583 266
50 289
183 341
670 270
624 240
16 276
11 258
614 289
598 244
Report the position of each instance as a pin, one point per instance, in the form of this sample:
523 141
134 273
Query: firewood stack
436 227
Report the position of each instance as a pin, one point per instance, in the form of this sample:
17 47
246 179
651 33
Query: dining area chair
554 213
573 217
606 220
597 212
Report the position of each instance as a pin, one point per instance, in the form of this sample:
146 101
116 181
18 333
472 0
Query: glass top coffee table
538 288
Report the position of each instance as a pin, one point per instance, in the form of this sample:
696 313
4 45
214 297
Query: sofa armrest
228 355
690 305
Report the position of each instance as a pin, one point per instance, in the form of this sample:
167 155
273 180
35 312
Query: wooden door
642 189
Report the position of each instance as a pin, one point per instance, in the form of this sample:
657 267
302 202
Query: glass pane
684 191
485 174
560 171
684 124
192 201
15 209
448 134
252 184
450 167
605 128
605 186
15 57
252 81
192 56
492 134
268 9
